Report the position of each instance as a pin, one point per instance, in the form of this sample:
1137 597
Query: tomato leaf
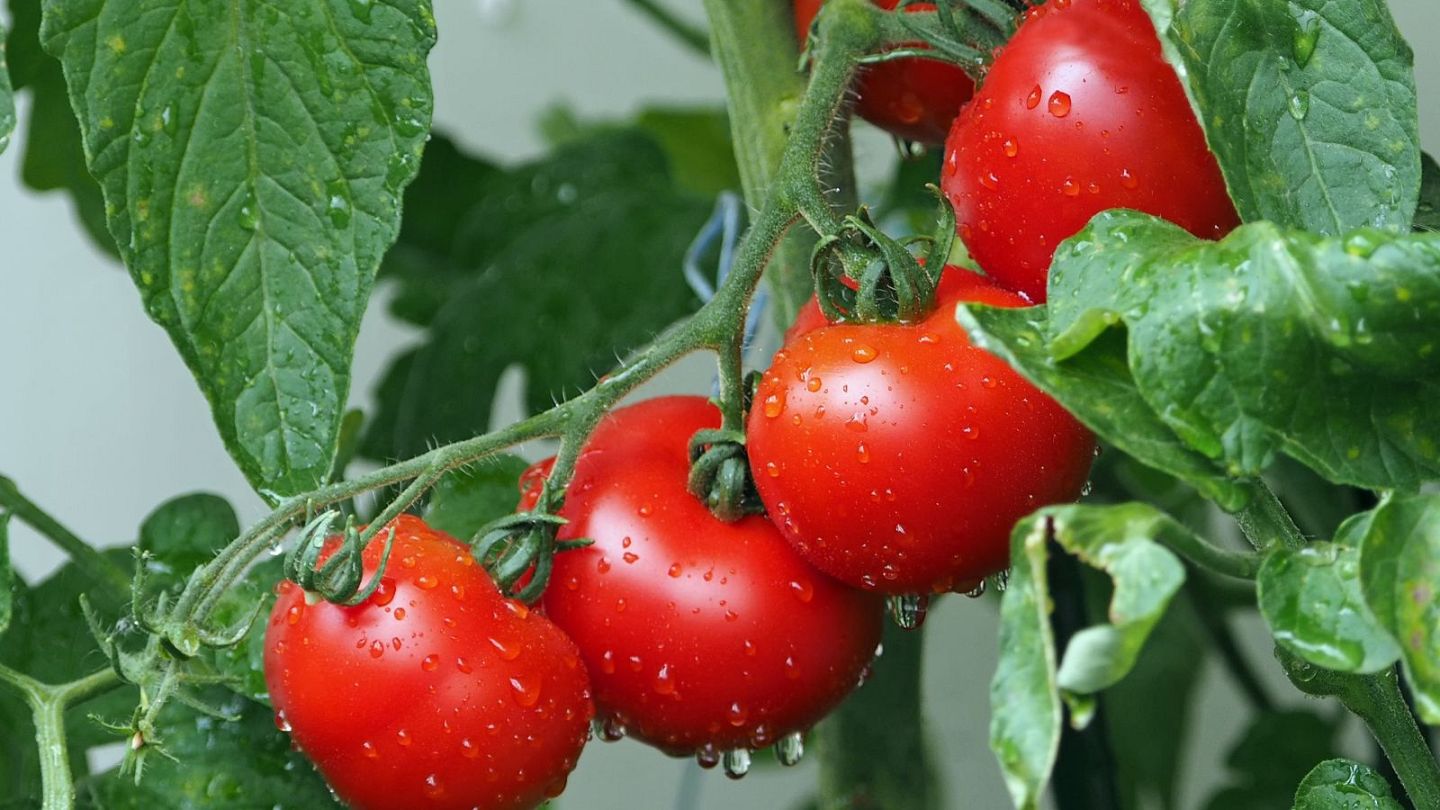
1098 388
1271 757
1342 784
1400 576
1311 599
1025 695
252 160
221 764
54 157
559 265
467 499
7 575
185 533
1267 341
1309 105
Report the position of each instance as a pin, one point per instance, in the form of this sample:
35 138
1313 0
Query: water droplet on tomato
908 610
1059 104
293 615
863 353
525 692
976 591
664 684
433 788
430 663
384 593
369 750
989 180
1011 147
464 666
737 714
469 749
792 669
1033 100
803 590
1070 188
737 763
403 738
280 721
862 453
774 406
603 564
790 749
426 582
377 648
630 557
508 651
971 432
707 757
813 384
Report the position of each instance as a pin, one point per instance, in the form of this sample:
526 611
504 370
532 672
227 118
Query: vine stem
1376 699
47 707
96 565
692 36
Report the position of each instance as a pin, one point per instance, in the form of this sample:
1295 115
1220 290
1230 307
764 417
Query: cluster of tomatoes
892 459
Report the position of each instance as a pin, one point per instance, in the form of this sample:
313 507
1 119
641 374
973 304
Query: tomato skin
897 458
698 634
436 692
1079 113
914 98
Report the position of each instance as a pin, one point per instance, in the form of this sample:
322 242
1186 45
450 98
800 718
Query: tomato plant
1080 113
676 613
912 98
436 691
898 457
1202 235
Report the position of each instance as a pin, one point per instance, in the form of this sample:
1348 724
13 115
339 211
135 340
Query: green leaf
221 764
7 575
696 142
467 499
1309 106
1400 576
1311 599
1026 693
1427 213
874 749
185 533
1342 784
1098 388
54 157
7 98
1267 341
1271 757
560 266
252 159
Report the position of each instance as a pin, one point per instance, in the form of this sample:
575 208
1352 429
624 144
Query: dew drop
433 788
803 590
774 406
790 749
990 180
1011 147
977 591
863 353
664 684
737 763
280 721
384 593
707 757
369 750
630 557
526 695
1033 100
508 651
813 384
426 582
908 610
737 714
377 648
403 738
1059 104
1127 179
294 614
1070 188
430 663
862 453
469 749
675 570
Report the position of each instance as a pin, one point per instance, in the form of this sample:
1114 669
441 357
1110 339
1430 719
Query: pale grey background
100 421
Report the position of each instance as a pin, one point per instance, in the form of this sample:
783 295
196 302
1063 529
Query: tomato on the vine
1079 113
435 692
912 98
700 636
897 458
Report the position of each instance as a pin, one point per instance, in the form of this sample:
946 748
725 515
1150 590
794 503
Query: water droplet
280 721
737 714
377 648
630 557
464 666
403 738
508 651
675 570
1033 100
433 788
908 610
526 694
862 453
1127 179
977 591
772 469
813 384
469 749
802 589
430 663
603 564
1070 188
426 582
369 750
338 205
1307 34
863 353
664 685
707 757
1299 104
790 749
294 614
990 180
1011 147
249 218
611 729
1059 104
774 406
737 763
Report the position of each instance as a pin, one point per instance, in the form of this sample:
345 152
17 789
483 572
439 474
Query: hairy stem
85 556
47 707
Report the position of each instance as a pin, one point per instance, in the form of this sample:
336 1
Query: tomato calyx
962 40
337 578
863 275
720 474
519 551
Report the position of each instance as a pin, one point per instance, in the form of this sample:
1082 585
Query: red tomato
1079 113
436 692
811 317
916 98
897 458
700 636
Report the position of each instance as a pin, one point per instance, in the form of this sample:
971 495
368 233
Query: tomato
436 692
897 458
912 98
700 636
811 317
1079 113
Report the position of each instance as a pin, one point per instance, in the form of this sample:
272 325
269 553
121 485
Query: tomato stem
47 707
691 35
86 557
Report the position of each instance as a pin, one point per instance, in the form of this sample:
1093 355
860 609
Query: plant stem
1265 522
85 556
691 35
47 706
1377 700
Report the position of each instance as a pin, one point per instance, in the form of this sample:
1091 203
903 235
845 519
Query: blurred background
100 421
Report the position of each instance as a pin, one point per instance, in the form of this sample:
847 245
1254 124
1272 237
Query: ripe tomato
915 99
700 636
1079 113
897 458
436 692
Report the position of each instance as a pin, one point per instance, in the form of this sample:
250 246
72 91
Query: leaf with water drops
469 498
1098 388
1311 599
1400 576
1309 105
220 765
252 159
7 97
1124 541
1269 341
1343 784
559 266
